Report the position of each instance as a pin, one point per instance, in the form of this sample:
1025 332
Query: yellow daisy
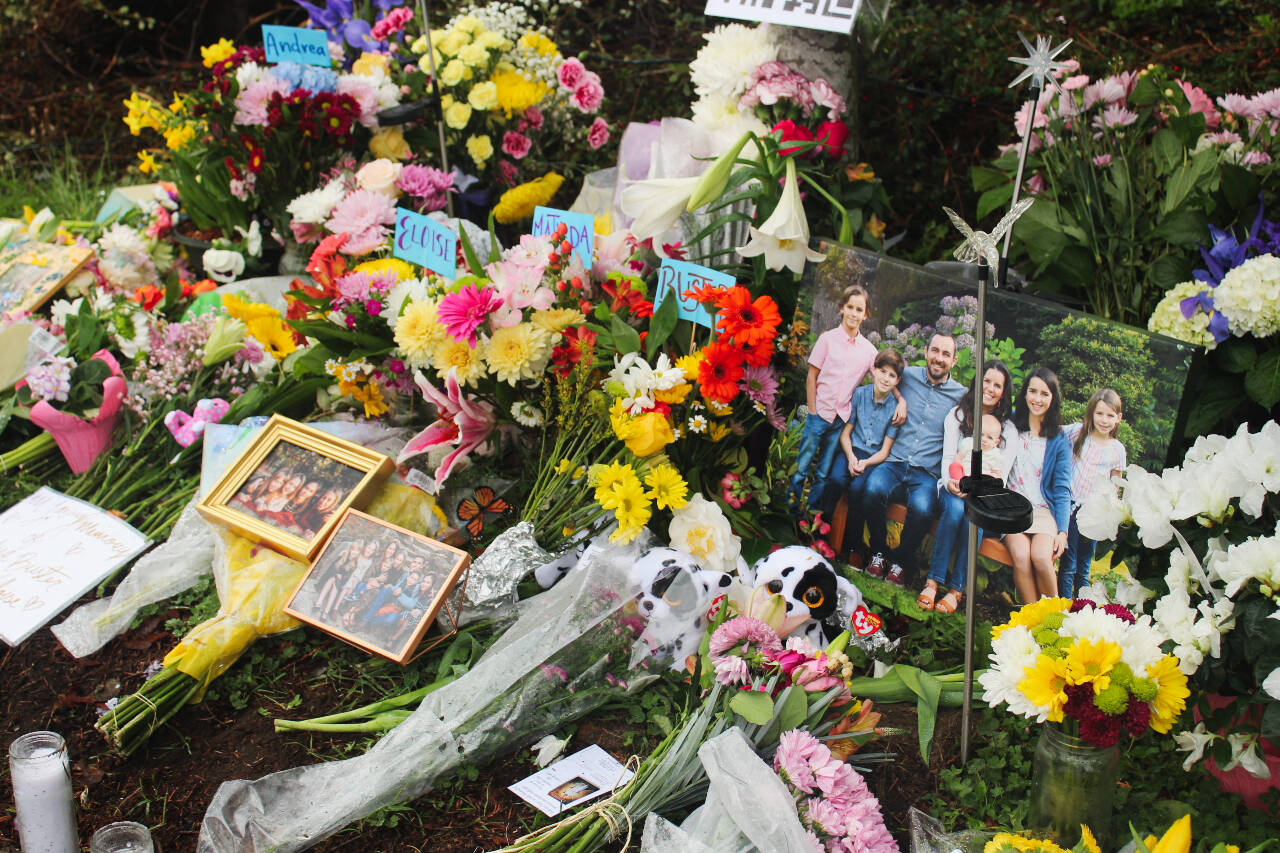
667 488
1089 662
1045 684
1171 695
1032 614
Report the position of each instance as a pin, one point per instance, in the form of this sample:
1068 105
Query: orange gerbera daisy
706 293
757 354
747 322
719 371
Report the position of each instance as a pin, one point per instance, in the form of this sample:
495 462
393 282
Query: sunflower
719 372
747 321
1045 684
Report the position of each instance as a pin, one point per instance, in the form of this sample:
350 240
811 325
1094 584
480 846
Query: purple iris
330 18
1227 252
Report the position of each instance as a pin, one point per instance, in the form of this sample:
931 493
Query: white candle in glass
41 775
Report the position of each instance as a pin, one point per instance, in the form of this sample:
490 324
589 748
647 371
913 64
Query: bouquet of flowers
1154 148
1097 669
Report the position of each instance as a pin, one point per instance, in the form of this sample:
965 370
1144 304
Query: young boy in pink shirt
840 359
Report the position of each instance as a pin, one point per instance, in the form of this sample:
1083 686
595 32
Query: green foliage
73 188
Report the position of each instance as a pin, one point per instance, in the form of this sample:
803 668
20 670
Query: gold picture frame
32 272
290 486
381 587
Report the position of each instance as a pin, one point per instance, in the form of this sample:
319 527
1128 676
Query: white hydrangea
1167 317
724 64
1249 296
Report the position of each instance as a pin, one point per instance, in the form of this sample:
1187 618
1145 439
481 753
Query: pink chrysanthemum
744 629
366 217
463 312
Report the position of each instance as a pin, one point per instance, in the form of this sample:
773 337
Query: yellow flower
247 312
557 319
1086 838
457 114
650 432
490 39
604 477
177 106
417 332
566 466
516 93
667 488
402 270
454 72
630 507
480 148
718 431
214 53
537 41
147 163
673 396
518 352
1045 684
1177 839
689 363
143 112
875 227
1088 661
468 24
275 336
389 143
177 137
519 202
450 353
451 42
719 409
483 96
1171 693
620 421
860 172
367 62
473 55
1030 615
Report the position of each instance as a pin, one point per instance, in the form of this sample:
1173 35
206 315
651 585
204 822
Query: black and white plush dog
815 602
675 593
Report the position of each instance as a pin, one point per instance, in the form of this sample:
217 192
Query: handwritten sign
56 548
296 44
681 276
423 241
834 16
581 233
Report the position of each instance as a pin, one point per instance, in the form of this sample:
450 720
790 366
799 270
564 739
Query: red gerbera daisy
757 354
747 322
719 371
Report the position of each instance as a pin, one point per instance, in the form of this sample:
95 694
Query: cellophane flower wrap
1098 668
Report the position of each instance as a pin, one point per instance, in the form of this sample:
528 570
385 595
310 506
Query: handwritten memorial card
56 549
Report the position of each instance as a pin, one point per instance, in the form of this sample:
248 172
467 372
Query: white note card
583 776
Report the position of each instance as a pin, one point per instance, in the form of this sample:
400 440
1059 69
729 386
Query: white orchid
783 238
1194 742
657 204
1245 753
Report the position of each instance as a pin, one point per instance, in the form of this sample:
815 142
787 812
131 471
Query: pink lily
460 422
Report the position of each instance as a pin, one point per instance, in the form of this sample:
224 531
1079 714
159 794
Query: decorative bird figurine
980 244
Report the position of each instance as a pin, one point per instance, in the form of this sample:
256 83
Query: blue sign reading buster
296 44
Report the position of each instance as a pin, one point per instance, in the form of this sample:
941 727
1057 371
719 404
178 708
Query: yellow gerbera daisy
1089 662
1032 614
1171 695
667 488
247 312
1045 684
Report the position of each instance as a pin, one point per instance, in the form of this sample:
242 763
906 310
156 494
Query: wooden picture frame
290 486
32 272
380 587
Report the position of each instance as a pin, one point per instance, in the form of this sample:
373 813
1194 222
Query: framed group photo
291 485
378 586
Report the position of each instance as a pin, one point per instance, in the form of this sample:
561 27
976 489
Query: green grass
71 186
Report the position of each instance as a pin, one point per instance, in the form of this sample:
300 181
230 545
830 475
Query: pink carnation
571 74
744 629
463 312
824 95
428 184
393 23
516 145
509 173
590 95
598 134
533 115
365 216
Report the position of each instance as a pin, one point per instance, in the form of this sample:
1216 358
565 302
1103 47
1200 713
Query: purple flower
759 384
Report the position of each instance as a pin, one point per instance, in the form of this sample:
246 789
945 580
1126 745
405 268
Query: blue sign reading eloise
423 241
296 44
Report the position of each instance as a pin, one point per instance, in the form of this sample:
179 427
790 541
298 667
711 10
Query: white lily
657 204
1245 753
783 238
1193 742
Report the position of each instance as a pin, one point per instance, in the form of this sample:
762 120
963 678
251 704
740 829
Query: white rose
380 177
222 264
702 530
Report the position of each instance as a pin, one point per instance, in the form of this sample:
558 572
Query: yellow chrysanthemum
518 352
417 332
1171 693
147 162
1045 684
214 53
473 55
1090 662
537 41
516 93
673 396
519 202
667 488
468 24
480 148
402 270
369 62
620 421
450 353
625 496
483 96
454 72
491 40
247 312
451 42
554 320
689 363
1030 615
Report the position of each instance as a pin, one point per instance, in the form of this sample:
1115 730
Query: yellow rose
474 55
483 96
649 433
389 143
480 148
457 114
454 72
368 62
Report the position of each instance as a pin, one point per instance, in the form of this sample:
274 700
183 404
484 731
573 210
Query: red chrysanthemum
719 371
1137 717
745 320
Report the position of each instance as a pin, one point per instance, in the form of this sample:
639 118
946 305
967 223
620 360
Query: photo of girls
296 490
377 586
1096 457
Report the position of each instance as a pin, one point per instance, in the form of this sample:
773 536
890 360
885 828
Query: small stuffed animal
799 591
187 429
675 593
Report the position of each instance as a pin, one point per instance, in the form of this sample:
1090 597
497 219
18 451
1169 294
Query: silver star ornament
1039 62
980 244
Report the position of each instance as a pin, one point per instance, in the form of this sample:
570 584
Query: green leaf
928 690
662 324
793 708
1191 176
1262 382
985 179
1145 91
1188 128
468 252
1239 185
753 706
625 338
1234 356
1186 227
1213 401
1168 150
994 199
1168 270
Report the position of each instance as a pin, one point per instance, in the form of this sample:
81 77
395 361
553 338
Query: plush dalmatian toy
549 574
816 602
675 594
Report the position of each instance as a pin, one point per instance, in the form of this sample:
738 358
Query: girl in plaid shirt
1096 456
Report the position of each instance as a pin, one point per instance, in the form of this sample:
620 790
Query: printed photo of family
376 585
1068 402
296 490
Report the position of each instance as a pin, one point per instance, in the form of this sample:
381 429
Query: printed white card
571 781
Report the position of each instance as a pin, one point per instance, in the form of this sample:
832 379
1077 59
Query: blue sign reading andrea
296 44
581 233
682 276
423 241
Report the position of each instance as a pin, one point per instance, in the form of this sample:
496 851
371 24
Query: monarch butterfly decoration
471 511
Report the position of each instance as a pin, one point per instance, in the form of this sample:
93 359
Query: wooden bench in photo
991 546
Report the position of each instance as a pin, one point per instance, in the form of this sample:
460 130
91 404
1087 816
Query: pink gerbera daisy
463 312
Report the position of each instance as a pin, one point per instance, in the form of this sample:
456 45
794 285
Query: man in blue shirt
910 474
